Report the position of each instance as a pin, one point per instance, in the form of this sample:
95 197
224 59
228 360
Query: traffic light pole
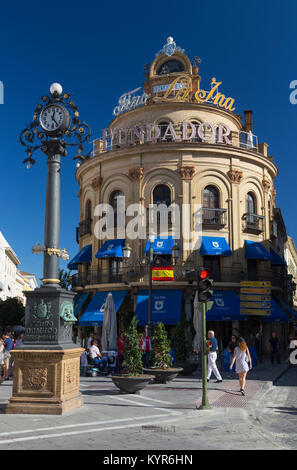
205 403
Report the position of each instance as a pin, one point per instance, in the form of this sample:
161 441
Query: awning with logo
255 250
84 256
276 259
94 313
215 246
166 306
161 246
78 302
111 249
226 307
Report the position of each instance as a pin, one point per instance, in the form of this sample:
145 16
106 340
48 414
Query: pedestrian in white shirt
212 357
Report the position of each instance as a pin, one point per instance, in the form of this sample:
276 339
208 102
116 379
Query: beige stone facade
187 167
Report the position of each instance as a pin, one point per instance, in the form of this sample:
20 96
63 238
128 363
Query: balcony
84 228
253 223
213 218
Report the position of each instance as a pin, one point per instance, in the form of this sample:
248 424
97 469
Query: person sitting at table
96 355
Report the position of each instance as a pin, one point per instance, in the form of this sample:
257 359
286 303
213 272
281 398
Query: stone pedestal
45 381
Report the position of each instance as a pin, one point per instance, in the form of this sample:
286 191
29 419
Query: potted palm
161 357
133 379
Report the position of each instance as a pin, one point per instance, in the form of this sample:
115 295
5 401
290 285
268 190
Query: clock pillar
47 367
52 215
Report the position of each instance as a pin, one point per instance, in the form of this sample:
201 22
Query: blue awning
255 250
286 307
94 313
166 306
111 249
276 259
161 246
215 246
277 313
78 302
226 307
84 256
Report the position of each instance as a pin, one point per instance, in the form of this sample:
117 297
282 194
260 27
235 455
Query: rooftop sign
153 133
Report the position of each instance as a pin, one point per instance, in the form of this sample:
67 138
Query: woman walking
242 357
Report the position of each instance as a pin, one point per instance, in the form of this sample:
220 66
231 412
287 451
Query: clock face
52 118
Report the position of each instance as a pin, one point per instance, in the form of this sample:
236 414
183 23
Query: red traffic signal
203 273
204 285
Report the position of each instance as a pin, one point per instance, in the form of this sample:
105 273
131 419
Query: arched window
211 202
171 66
162 195
251 209
113 201
211 198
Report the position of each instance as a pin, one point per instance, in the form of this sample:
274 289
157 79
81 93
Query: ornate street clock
54 119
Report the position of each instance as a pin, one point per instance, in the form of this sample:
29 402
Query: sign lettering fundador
151 133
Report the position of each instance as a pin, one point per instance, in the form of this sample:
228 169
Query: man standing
274 345
212 357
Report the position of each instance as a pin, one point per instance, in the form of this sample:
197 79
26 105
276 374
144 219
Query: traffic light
204 285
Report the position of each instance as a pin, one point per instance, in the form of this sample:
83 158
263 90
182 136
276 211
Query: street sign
251 305
246 290
251 311
255 298
255 284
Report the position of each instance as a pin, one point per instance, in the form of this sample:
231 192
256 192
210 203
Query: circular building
178 170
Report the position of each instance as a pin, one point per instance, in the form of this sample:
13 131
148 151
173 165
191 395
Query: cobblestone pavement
161 417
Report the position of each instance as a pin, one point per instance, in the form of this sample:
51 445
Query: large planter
162 376
131 384
188 368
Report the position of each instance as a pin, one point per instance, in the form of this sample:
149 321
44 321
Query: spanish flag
162 273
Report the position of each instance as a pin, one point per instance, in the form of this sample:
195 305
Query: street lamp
151 240
50 384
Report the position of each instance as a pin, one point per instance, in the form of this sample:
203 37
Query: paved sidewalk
104 420
228 395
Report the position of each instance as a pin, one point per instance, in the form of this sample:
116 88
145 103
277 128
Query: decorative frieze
187 172
97 183
136 174
235 175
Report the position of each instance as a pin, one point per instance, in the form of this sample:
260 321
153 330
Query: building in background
13 282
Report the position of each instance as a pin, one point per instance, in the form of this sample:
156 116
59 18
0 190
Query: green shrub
161 347
132 353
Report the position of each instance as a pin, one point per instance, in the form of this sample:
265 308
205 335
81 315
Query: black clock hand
54 118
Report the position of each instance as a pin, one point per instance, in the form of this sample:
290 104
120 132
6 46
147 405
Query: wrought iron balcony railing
186 273
253 223
84 228
214 218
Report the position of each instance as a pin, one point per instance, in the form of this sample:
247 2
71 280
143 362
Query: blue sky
97 50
